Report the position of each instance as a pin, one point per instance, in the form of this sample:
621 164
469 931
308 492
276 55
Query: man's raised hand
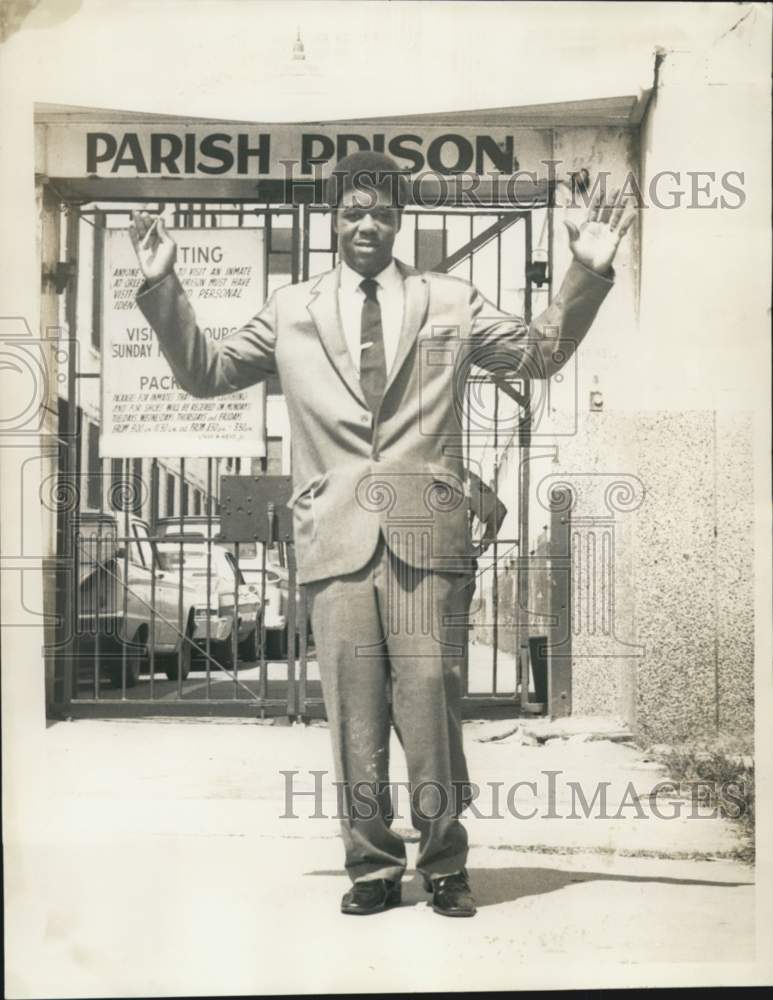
596 241
156 250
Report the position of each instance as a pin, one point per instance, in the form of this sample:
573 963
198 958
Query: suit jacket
356 474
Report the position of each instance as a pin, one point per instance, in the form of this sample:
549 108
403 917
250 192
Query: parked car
211 570
189 524
276 597
275 600
127 600
274 603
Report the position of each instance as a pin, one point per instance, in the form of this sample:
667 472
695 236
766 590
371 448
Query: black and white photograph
386 477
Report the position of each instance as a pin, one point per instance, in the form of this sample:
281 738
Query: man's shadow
493 886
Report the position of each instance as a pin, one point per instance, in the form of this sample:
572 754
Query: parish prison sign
283 152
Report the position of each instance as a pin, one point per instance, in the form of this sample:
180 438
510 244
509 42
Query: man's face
367 224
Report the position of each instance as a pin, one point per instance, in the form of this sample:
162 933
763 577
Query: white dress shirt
390 294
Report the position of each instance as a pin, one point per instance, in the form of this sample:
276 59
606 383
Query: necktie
373 373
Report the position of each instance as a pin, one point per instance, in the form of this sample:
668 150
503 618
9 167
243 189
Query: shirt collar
387 279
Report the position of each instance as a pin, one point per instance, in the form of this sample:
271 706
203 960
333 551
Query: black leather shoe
451 895
371 896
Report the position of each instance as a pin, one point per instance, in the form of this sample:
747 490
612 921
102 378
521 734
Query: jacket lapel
416 298
323 308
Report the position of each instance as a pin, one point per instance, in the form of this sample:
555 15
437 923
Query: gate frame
297 702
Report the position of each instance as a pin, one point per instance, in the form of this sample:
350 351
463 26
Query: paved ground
483 679
156 859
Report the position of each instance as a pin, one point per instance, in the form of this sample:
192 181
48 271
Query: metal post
235 627
262 671
560 642
208 626
180 623
292 710
153 571
495 554
524 441
125 496
303 631
70 519
295 246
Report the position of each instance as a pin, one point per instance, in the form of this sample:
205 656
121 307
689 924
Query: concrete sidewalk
159 859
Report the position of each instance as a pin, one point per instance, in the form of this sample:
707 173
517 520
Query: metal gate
132 533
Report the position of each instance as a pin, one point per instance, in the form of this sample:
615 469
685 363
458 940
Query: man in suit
372 358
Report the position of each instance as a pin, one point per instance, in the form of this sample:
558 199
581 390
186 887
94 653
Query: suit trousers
391 645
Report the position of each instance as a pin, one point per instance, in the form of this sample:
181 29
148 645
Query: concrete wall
704 300
693 559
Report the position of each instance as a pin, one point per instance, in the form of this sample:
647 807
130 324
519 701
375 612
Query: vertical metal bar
111 588
102 578
551 220
303 631
524 441
522 577
69 640
78 486
495 552
527 281
154 489
294 262
97 279
208 625
235 629
125 493
559 659
71 517
472 235
263 674
154 498
267 241
499 266
333 237
467 464
305 250
180 624
292 709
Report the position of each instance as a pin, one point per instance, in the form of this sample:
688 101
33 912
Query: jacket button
365 419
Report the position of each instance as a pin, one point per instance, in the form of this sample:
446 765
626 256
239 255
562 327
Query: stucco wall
703 316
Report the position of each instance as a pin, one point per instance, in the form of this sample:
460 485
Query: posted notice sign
144 411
